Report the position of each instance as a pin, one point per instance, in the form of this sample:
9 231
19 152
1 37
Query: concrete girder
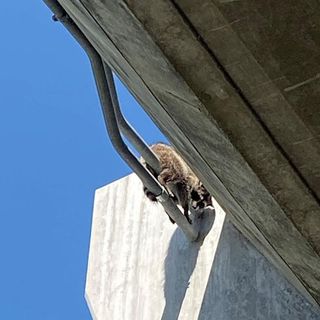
216 78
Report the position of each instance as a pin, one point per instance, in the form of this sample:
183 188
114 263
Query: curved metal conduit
113 117
126 128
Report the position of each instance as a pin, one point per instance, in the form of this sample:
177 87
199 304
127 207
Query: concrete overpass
234 85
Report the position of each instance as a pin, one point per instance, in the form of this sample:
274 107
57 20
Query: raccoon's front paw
150 195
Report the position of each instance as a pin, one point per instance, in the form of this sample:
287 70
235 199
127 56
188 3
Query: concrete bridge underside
234 85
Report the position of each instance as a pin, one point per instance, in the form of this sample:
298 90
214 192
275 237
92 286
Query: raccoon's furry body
179 180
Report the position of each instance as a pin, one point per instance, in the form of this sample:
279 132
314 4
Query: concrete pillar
141 267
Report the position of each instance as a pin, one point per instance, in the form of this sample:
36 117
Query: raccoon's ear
195 195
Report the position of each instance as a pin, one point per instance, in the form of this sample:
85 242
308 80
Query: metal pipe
61 15
148 155
110 118
105 98
114 133
111 124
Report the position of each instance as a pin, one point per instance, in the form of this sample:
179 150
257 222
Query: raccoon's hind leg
182 194
186 213
178 189
171 220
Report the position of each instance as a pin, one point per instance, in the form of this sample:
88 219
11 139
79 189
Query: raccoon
179 180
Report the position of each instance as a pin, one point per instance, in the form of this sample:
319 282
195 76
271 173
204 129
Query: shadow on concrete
243 285
179 265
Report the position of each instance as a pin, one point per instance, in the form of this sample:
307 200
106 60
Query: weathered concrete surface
233 85
142 267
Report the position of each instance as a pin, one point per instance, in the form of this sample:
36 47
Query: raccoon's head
200 198
196 200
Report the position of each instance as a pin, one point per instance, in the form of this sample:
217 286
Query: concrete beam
201 75
143 267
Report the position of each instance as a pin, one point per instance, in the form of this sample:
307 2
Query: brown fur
179 180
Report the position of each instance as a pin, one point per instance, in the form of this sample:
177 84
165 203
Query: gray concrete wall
142 267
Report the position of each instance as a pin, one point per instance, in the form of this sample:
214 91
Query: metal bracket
114 119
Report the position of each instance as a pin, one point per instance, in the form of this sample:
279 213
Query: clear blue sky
54 154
